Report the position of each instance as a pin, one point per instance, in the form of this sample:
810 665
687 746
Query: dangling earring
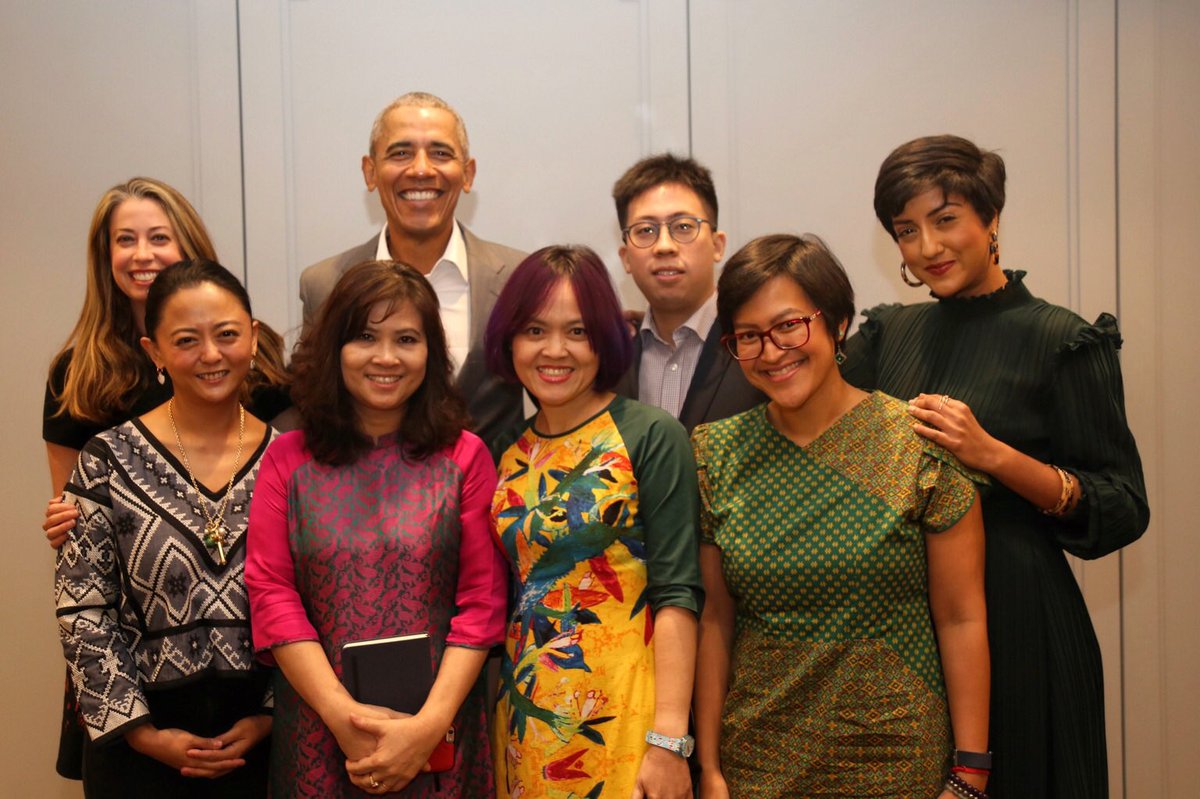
162 378
904 276
994 249
253 363
839 355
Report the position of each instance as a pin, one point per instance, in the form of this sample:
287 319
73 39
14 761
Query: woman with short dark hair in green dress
843 645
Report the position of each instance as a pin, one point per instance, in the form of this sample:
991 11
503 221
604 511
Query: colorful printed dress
836 684
1044 381
383 546
599 524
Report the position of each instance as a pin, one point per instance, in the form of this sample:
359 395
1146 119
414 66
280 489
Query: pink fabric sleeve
482 594
277 615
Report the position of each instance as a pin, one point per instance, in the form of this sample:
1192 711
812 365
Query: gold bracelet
1068 493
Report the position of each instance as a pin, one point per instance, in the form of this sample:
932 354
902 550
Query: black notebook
395 672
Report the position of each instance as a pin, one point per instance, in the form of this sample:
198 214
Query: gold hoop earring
994 249
904 276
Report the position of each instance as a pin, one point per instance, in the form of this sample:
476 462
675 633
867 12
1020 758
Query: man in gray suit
419 161
667 209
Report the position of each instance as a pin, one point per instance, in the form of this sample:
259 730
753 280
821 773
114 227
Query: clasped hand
384 749
197 756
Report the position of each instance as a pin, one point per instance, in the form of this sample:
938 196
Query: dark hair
186 275
527 291
665 168
435 415
269 369
806 260
950 163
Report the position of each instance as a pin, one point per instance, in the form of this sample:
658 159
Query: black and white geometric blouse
142 601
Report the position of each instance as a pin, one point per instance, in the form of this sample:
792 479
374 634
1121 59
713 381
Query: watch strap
981 760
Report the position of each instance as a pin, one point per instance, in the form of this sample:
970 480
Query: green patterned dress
836 684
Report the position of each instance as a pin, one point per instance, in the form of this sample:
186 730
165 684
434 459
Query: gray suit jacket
718 388
494 405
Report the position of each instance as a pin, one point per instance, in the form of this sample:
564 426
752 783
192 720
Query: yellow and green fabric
600 526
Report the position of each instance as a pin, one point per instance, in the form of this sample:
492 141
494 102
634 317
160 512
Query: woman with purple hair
596 509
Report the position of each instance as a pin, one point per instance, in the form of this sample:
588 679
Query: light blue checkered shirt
666 370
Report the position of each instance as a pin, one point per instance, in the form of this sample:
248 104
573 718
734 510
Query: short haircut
421 100
526 293
804 259
657 170
435 415
949 163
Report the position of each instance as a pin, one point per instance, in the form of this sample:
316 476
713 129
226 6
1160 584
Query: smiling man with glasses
667 210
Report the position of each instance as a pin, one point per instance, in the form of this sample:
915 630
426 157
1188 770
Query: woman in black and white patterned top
152 605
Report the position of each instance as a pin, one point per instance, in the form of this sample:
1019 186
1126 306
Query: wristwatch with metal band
680 746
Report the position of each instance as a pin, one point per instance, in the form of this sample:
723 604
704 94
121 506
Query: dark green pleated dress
1046 382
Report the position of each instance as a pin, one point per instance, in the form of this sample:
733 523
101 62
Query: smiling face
675 278
419 168
553 358
142 243
384 365
790 378
205 341
945 244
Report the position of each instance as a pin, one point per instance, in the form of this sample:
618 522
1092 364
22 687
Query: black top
266 403
1044 381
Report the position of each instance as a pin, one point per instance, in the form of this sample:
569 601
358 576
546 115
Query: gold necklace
214 532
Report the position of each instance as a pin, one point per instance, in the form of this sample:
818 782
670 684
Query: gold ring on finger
942 404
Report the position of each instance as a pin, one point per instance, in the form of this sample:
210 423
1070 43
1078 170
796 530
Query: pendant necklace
214 527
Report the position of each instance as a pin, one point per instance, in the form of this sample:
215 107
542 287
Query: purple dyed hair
526 292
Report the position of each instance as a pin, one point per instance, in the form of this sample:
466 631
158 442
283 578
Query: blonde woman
102 376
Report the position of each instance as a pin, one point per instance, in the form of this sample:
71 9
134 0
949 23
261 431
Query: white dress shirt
450 281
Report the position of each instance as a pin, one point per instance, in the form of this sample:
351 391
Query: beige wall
257 111
1159 115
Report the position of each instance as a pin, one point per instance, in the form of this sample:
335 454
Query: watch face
688 744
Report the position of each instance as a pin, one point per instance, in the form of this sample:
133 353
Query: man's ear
468 175
621 253
368 170
719 241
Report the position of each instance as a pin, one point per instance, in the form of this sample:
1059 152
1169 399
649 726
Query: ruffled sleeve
482 587
861 367
1092 440
948 489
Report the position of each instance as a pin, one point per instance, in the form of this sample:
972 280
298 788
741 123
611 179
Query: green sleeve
949 488
708 525
668 504
1092 440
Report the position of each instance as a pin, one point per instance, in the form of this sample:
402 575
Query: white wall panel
90 95
559 98
797 103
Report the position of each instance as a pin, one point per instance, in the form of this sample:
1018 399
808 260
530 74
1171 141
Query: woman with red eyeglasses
843 645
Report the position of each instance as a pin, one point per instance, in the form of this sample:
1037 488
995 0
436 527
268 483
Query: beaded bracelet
1066 498
962 789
